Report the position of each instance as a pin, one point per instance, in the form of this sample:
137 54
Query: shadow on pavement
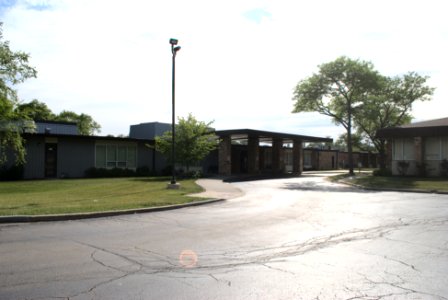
313 186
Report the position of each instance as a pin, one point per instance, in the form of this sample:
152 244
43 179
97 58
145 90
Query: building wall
75 156
35 157
327 160
148 131
56 128
418 156
146 157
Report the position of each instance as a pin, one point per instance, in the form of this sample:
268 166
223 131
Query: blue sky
239 63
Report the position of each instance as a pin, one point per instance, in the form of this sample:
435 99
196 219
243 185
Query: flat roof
437 127
267 136
87 137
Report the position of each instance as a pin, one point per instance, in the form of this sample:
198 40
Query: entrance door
51 160
243 162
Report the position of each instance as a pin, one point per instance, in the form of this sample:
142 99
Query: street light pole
174 50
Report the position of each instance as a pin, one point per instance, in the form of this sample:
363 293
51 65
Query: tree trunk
382 155
350 151
349 140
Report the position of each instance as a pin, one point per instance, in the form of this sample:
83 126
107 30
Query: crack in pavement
226 261
112 279
397 284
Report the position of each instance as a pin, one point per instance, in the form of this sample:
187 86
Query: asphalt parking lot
296 238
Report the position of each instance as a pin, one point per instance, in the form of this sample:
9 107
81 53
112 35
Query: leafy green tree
86 124
335 91
320 145
14 69
193 141
359 143
390 106
37 111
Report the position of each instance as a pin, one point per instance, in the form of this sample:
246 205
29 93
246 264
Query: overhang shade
438 127
268 136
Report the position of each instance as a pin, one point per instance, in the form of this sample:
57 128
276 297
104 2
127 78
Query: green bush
422 169
108 173
144 172
403 167
382 172
444 168
11 173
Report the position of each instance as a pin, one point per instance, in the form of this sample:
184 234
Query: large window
432 148
445 148
115 156
404 149
268 158
307 159
288 160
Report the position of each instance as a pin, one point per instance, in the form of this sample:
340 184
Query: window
444 148
307 159
100 156
403 149
268 158
288 157
115 156
432 148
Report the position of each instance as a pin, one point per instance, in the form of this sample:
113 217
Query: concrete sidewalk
215 190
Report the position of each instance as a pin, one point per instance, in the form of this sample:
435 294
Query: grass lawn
36 197
428 184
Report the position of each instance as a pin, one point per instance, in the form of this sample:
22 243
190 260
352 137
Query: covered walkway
248 151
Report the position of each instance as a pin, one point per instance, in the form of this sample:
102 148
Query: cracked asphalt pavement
295 238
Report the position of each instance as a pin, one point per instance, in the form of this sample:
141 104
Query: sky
239 63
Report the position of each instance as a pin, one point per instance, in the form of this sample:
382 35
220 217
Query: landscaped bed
397 182
39 197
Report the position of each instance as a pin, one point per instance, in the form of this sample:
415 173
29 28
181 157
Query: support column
253 155
418 144
297 159
278 160
225 156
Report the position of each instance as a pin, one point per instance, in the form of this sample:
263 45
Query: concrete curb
392 189
79 216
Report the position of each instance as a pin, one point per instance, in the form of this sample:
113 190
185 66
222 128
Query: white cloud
239 61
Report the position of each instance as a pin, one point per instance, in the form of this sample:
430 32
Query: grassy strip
39 197
411 183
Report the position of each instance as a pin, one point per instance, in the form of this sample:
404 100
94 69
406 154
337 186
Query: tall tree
86 124
14 69
193 141
390 106
359 142
335 91
35 110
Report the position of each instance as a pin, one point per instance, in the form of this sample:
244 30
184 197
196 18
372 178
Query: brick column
253 155
418 144
225 156
278 160
297 159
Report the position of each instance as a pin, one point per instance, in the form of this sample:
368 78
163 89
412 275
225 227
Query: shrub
422 169
11 173
444 168
144 171
382 172
107 173
403 167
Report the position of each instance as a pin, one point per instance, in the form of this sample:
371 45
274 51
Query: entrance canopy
254 159
268 136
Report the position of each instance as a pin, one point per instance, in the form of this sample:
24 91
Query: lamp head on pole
173 42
